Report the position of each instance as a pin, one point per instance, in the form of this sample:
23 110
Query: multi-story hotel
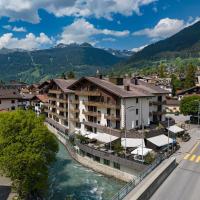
105 109
96 104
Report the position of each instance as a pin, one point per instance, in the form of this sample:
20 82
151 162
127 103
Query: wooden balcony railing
54 91
112 117
157 103
92 113
56 114
88 93
74 101
73 119
58 100
112 131
101 104
71 110
159 112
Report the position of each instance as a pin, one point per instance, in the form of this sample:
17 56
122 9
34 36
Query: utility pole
168 132
142 121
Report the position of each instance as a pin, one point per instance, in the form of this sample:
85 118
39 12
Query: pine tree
190 76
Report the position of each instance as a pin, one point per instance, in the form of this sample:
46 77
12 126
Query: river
69 178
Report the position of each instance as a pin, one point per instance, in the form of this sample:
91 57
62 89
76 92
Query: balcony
112 117
56 114
101 104
62 109
74 101
112 131
58 100
54 92
158 103
159 112
88 93
92 113
74 110
73 119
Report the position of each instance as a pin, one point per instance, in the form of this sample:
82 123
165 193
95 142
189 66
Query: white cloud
27 10
30 41
165 28
109 39
139 48
19 29
15 28
83 31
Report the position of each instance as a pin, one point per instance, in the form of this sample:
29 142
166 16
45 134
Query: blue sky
119 24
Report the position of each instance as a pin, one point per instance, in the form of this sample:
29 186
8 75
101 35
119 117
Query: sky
118 24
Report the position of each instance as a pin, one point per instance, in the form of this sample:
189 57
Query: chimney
127 87
98 75
134 81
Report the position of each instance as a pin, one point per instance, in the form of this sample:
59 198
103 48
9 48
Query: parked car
186 137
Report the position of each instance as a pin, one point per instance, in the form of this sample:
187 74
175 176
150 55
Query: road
184 182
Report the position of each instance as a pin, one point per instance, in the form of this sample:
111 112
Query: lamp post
125 123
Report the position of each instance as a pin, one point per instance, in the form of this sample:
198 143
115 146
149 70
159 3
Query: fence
131 185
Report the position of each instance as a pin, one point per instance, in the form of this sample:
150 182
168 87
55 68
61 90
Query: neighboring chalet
188 92
10 99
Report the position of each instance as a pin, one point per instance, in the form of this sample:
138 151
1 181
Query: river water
69 178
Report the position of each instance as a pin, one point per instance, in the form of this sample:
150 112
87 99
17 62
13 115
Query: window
0 101
12 101
116 165
136 111
108 111
96 158
13 108
136 122
108 123
136 100
78 125
106 162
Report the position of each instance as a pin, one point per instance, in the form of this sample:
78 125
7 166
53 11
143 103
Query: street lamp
125 123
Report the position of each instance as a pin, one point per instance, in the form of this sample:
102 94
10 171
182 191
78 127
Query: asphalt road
184 182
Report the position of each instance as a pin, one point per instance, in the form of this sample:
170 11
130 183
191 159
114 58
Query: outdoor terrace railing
132 184
114 158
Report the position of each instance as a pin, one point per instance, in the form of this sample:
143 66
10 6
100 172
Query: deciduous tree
26 150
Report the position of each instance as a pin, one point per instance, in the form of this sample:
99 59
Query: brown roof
115 89
150 88
42 97
9 93
64 84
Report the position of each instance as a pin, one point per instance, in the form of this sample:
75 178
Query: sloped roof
144 86
64 84
9 93
117 90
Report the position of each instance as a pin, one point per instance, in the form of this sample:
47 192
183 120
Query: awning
175 129
101 137
132 142
139 151
160 140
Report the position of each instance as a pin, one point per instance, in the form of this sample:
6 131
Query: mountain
36 65
120 53
184 44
